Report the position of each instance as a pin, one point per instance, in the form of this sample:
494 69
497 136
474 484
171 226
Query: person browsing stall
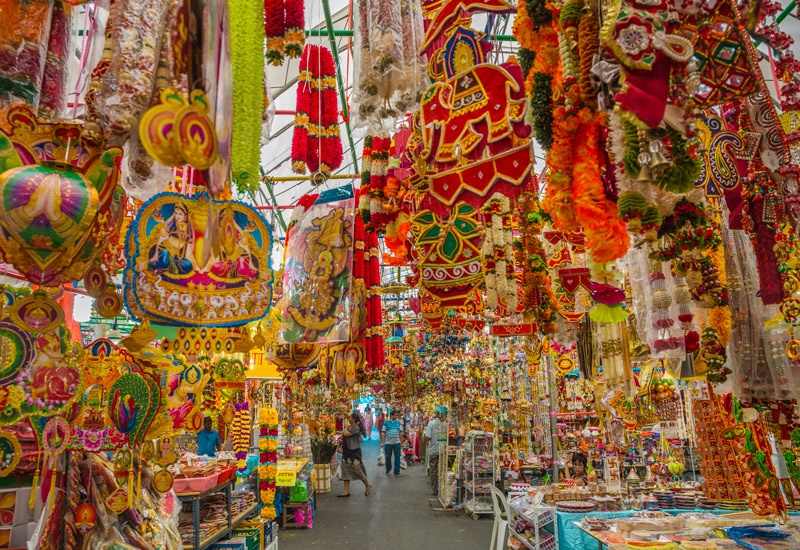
434 448
208 442
392 432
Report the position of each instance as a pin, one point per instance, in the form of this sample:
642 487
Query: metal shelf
186 497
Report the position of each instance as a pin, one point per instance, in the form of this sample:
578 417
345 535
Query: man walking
434 448
392 430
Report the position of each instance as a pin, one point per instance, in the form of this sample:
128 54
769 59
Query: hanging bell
644 175
658 162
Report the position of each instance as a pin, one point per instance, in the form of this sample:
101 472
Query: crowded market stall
566 230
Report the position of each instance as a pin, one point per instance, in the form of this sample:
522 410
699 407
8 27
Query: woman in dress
175 246
368 421
352 463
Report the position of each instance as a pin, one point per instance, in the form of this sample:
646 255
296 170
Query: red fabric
647 91
67 302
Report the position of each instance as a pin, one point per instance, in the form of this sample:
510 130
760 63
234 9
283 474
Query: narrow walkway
395 516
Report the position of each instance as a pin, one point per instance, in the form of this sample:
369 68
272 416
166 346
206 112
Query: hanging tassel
34 487
130 486
53 479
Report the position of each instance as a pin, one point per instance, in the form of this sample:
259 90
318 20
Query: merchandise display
557 240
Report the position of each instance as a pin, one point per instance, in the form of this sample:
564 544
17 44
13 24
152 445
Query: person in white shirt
434 448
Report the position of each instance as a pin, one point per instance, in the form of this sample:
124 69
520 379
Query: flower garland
284 26
268 460
606 237
241 436
538 299
379 168
295 23
247 39
316 142
366 175
274 28
501 283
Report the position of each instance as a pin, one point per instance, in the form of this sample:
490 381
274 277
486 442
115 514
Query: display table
572 537
296 469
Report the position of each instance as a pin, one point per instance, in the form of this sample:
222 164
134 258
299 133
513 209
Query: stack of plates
705 504
575 506
685 502
732 504
666 500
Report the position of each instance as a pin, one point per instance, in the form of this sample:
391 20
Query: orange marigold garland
606 235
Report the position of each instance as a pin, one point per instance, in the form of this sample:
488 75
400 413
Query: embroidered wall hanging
194 261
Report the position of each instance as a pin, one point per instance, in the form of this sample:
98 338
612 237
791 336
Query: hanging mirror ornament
10 452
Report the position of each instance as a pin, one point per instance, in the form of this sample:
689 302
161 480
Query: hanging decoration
268 460
240 431
316 141
284 25
60 198
449 251
178 131
185 384
498 255
193 261
390 71
10 451
318 272
246 41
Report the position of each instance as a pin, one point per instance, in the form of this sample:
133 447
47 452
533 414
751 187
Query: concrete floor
395 516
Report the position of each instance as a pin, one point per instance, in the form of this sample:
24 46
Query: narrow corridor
396 516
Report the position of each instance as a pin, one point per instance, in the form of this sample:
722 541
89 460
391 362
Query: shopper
434 448
368 421
208 442
392 432
352 463
379 420
579 476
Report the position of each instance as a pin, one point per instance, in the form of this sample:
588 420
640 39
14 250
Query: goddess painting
175 246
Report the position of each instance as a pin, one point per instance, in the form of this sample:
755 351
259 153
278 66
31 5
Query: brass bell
644 175
658 162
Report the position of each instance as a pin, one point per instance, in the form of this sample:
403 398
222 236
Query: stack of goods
686 501
652 523
706 504
213 517
242 501
596 524
666 500
732 504
576 506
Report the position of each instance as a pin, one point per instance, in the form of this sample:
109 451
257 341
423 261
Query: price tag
285 478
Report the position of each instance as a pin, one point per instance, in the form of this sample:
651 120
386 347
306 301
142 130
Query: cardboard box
254 536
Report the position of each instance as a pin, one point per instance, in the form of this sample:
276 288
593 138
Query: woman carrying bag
352 463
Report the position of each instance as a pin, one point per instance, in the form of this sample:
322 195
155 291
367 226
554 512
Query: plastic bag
403 464
317 279
381 458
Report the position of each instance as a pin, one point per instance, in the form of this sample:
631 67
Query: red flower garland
295 24
274 28
316 142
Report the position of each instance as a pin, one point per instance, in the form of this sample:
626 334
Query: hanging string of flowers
316 142
295 23
241 436
379 168
274 27
247 41
537 298
501 284
268 460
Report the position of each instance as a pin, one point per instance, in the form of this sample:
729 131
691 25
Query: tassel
130 486
34 487
53 478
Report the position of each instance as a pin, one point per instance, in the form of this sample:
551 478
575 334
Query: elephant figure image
477 107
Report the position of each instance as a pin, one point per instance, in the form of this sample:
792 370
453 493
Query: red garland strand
275 29
316 143
295 24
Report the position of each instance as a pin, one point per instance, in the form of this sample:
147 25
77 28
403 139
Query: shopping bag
338 472
381 458
403 464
